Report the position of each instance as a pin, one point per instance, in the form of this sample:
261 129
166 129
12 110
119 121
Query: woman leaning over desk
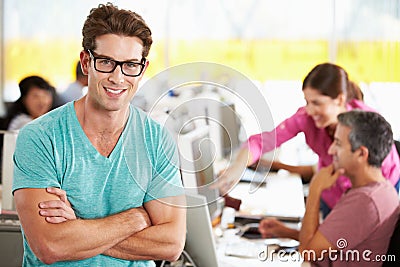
328 92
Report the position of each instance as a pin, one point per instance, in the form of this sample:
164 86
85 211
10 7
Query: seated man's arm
271 228
164 240
73 239
312 242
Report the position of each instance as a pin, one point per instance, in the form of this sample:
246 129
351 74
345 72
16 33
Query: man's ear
84 58
363 153
146 64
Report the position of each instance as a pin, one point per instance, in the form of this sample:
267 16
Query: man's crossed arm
155 231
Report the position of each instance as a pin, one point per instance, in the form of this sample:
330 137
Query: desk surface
252 253
282 195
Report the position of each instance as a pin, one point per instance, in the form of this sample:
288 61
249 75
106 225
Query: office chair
397 144
394 247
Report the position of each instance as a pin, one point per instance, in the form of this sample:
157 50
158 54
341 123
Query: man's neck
95 120
103 128
367 175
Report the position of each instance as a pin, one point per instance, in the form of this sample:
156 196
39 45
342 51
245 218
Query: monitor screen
200 242
230 125
197 156
9 139
223 122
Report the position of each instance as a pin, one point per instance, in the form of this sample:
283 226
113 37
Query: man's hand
325 178
271 227
57 211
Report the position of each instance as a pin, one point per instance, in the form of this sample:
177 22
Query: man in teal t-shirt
119 168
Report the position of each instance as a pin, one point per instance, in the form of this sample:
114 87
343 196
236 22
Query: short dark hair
25 85
106 19
371 130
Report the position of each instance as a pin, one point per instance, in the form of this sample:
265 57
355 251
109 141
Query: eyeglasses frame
117 63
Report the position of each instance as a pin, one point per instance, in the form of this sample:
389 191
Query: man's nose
117 76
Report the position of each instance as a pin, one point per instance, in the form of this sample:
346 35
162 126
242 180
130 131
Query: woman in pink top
328 92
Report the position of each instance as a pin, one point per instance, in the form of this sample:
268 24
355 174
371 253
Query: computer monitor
223 122
200 242
7 169
225 126
197 156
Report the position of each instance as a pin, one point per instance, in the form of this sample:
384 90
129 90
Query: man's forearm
164 240
104 233
81 239
292 233
159 242
310 221
73 239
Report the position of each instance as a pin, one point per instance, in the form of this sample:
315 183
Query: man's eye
131 65
105 62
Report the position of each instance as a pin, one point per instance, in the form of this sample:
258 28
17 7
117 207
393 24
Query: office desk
281 196
255 250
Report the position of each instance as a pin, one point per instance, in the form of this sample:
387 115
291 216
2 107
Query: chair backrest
394 248
397 144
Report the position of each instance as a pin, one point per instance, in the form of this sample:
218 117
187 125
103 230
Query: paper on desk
244 249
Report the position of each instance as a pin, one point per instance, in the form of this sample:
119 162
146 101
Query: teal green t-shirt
54 151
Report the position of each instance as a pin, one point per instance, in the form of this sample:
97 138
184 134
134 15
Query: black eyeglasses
107 65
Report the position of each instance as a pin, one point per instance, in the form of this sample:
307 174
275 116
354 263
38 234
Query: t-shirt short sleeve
166 179
350 221
33 161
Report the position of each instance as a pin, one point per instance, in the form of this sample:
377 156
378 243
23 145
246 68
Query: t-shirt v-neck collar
88 144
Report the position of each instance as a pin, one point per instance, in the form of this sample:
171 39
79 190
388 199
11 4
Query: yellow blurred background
258 59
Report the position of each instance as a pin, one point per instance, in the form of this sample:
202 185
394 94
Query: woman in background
306 172
328 92
37 98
